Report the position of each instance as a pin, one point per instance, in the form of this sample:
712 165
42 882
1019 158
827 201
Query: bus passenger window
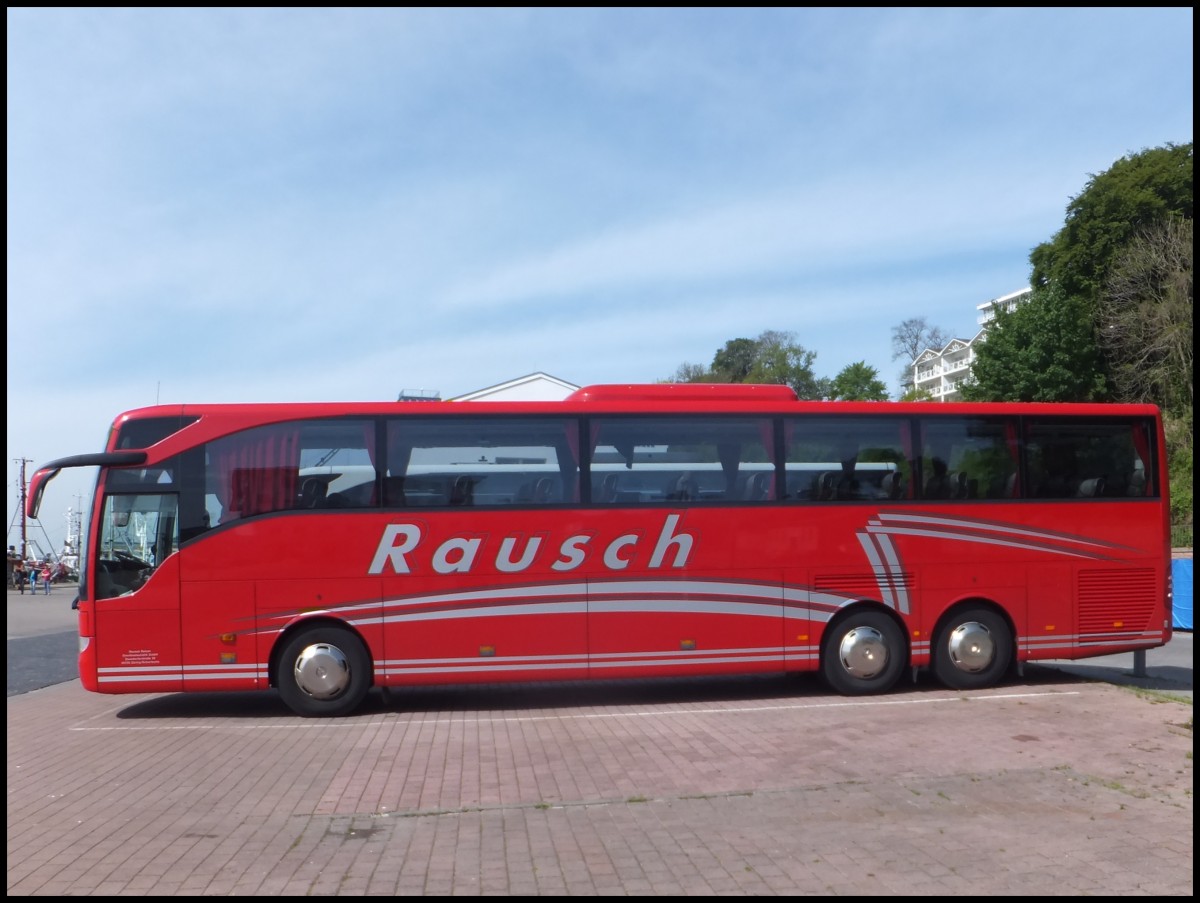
693 459
847 458
938 485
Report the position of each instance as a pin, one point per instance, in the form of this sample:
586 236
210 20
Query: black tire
973 649
324 672
862 653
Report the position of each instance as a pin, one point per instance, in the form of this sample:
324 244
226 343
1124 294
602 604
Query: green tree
1045 350
1135 193
780 359
916 393
858 382
1145 318
733 363
1179 431
1119 262
774 357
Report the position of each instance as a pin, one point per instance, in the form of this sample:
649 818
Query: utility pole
75 528
24 530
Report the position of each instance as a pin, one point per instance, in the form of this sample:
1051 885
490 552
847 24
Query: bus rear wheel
973 650
862 653
324 671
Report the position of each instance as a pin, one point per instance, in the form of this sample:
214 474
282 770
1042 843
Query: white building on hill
940 372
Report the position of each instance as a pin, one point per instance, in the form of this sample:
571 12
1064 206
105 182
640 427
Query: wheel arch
862 605
295 627
968 653
968 602
864 648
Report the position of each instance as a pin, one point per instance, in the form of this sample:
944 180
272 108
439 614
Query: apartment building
941 371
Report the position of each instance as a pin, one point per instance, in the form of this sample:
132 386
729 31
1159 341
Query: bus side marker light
487 651
1049 627
1118 623
230 638
687 645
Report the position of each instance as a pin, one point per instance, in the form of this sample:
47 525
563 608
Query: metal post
24 528
1139 663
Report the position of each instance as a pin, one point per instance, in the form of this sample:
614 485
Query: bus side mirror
122 505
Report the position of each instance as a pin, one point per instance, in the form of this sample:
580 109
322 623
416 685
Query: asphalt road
42 640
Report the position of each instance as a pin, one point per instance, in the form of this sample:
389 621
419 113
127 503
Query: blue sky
276 205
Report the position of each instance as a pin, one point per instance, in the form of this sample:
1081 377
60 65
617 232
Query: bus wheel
324 671
862 653
973 650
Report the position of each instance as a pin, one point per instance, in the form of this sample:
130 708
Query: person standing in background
19 574
46 574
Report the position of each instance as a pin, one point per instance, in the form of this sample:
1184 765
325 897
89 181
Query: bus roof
692 399
617 398
689 392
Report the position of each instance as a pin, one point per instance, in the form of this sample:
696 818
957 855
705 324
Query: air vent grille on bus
1107 600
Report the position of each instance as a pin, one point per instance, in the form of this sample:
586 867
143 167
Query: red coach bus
627 531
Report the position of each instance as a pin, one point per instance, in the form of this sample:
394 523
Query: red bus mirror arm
46 473
37 486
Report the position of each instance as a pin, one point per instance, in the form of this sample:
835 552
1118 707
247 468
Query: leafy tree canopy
1135 193
1044 350
734 362
858 382
774 357
916 393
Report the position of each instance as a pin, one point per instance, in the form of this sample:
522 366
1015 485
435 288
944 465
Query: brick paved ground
757 786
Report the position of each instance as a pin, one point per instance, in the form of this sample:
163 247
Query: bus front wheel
862 653
973 650
324 671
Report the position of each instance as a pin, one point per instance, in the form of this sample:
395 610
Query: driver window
138 533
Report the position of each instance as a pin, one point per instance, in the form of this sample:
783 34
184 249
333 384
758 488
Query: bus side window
893 485
757 488
865 458
607 490
1053 467
1137 483
463 491
313 493
168 538
393 492
938 485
